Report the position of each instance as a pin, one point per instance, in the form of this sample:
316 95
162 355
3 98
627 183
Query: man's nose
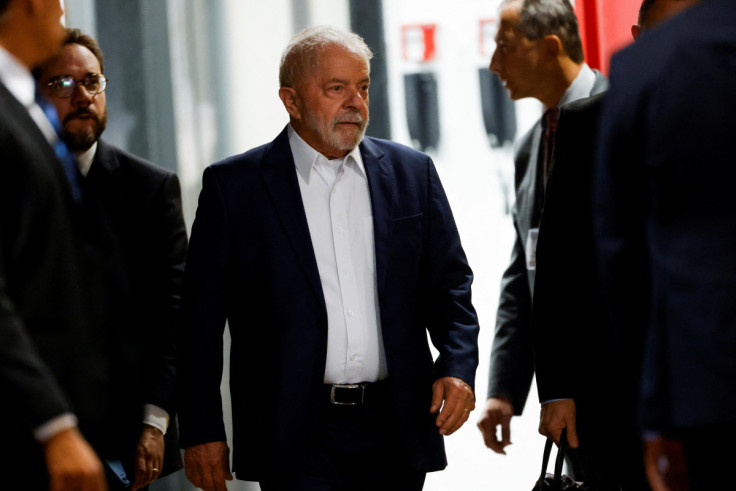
355 99
495 64
81 95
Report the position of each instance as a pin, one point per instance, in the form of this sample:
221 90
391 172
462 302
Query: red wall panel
605 27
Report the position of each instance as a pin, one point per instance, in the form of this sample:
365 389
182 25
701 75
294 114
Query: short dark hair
540 18
77 36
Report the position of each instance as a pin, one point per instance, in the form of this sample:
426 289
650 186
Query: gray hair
302 53
540 18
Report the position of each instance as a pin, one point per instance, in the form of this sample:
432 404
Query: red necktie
551 116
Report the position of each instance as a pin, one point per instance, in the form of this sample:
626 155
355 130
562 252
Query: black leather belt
356 394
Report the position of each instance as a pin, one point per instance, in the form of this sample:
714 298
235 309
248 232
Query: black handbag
557 481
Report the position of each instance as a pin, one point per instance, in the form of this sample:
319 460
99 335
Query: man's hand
665 465
498 411
72 464
149 457
459 401
207 466
557 415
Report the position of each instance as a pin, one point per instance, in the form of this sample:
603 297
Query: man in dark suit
538 54
666 234
330 255
147 246
577 355
53 384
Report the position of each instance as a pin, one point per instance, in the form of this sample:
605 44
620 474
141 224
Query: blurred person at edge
141 204
53 388
583 385
330 254
665 239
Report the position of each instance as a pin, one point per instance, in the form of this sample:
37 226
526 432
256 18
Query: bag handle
557 480
557 483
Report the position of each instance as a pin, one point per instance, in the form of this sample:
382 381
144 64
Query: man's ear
32 7
291 101
552 47
635 31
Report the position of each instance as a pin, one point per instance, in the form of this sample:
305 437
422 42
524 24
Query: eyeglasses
94 84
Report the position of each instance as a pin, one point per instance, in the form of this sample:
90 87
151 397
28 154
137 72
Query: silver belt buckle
347 386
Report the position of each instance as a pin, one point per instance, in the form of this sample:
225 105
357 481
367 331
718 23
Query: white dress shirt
19 82
338 208
580 88
84 159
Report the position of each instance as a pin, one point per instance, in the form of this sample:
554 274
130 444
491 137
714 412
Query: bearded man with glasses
134 215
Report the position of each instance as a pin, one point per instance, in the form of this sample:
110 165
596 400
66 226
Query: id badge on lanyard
531 249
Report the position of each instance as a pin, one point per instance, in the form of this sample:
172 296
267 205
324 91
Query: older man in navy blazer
330 255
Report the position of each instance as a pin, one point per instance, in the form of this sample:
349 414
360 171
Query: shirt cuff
156 417
555 400
53 426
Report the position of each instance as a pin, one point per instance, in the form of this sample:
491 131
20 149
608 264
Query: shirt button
353 357
351 313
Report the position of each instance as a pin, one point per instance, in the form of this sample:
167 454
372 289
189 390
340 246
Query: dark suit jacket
575 352
665 222
49 358
251 263
142 203
512 359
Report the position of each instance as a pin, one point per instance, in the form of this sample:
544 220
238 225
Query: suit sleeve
169 247
562 279
453 323
512 364
26 381
202 325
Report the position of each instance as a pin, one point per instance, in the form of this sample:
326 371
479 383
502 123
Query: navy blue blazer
251 263
665 214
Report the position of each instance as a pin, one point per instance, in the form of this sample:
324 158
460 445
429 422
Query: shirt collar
581 87
17 78
305 156
84 160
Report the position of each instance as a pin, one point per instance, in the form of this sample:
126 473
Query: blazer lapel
281 182
104 176
525 207
15 112
383 198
